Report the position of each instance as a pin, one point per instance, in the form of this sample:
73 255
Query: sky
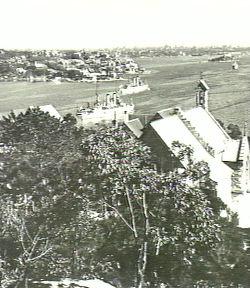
77 24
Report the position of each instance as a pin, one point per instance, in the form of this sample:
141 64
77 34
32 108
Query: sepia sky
112 23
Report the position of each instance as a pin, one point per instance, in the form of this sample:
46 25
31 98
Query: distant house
228 159
33 77
20 70
40 65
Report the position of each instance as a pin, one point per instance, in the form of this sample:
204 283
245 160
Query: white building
228 159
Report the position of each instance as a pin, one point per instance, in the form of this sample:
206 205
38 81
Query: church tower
202 94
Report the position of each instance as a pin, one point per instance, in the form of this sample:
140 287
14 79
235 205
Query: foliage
173 219
234 131
40 184
78 202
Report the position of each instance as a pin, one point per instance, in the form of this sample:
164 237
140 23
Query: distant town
34 66
95 65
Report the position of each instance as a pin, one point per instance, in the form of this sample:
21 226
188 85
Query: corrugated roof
135 126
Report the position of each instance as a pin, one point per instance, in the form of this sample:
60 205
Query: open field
173 82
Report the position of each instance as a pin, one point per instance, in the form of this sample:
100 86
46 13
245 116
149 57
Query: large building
228 159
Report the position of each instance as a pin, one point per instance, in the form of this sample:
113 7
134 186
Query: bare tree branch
131 213
120 215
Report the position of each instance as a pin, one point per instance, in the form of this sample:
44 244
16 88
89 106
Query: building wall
224 189
166 161
245 169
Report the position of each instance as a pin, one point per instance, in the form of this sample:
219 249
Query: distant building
32 77
228 159
235 65
40 65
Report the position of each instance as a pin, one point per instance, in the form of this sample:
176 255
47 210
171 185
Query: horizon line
126 47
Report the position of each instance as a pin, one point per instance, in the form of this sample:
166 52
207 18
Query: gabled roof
135 126
177 128
173 129
167 112
45 108
198 129
206 129
51 110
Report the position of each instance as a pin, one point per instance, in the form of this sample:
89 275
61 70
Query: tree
154 216
29 243
41 184
80 202
234 131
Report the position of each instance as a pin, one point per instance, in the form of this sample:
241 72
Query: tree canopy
79 203
162 216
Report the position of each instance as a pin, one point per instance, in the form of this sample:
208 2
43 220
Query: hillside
172 81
